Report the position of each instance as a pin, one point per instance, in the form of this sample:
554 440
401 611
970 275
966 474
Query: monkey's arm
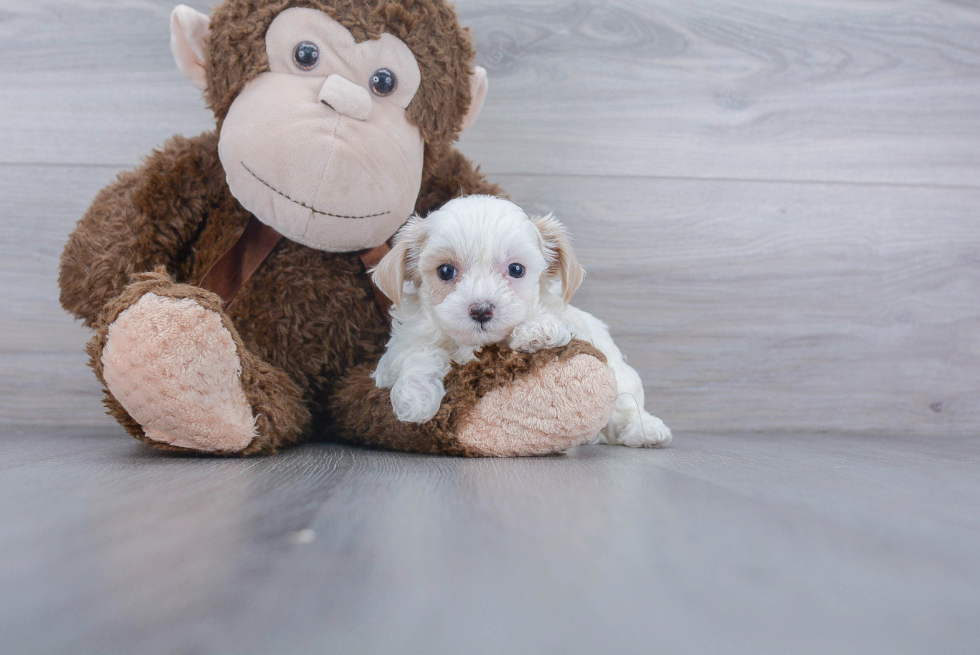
454 177
504 403
145 219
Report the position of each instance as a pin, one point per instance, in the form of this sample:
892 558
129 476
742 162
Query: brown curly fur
307 313
306 321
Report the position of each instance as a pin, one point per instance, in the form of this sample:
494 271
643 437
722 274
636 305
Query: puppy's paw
539 334
416 398
644 431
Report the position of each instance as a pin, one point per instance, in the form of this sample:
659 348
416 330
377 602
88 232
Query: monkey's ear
189 31
561 258
479 85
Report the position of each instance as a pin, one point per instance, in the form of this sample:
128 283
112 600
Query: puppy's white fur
480 237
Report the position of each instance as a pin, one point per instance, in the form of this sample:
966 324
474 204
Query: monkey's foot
175 368
557 404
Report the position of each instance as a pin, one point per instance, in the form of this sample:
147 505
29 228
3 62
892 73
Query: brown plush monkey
225 278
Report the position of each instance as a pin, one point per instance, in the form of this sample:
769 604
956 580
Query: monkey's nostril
481 312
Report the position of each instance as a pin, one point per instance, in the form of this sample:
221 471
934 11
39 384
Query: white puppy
478 272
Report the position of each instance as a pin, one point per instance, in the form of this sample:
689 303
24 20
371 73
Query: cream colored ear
389 274
189 31
479 85
558 249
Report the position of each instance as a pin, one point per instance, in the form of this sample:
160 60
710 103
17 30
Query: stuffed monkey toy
225 279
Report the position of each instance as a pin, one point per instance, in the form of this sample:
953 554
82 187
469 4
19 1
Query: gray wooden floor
723 544
778 203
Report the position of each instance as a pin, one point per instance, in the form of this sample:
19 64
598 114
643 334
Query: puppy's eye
306 55
447 272
516 270
383 82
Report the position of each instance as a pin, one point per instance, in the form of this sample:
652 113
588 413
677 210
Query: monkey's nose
346 98
481 312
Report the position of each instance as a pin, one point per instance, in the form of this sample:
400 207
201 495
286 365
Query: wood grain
799 90
771 544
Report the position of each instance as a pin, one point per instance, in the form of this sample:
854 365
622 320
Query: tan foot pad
562 405
174 367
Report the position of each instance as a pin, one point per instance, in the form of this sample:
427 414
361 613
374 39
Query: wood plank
800 90
40 206
745 306
109 93
747 544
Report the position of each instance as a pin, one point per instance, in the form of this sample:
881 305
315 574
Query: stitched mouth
303 204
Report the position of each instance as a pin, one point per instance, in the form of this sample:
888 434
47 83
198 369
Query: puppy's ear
561 258
394 268
389 274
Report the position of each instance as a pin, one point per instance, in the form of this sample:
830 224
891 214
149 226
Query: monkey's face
320 147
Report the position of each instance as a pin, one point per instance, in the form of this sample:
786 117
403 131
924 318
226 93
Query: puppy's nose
481 312
346 98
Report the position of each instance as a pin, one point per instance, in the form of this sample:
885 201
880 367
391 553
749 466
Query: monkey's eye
306 55
447 272
516 270
383 82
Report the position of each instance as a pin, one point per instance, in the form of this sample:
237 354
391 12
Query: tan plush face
320 147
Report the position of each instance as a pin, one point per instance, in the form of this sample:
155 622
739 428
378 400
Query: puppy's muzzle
481 312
